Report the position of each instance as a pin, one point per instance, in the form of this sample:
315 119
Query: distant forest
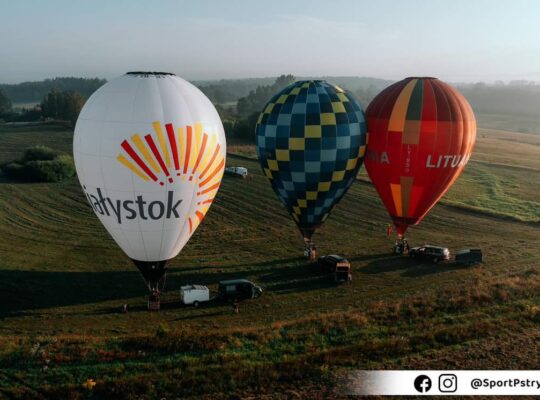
34 92
516 97
238 100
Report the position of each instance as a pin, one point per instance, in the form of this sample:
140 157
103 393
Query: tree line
34 92
240 101
57 104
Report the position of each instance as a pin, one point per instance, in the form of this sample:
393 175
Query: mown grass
63 281
236 358
498 191
518 123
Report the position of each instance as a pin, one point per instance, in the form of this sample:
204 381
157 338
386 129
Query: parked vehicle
338 266
431 253
469 256
238 289
194 294
237 171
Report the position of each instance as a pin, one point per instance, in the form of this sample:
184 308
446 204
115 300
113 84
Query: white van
238 171
194 294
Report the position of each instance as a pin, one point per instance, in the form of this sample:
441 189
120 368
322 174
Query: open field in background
63 281
509 122
500 180
24 105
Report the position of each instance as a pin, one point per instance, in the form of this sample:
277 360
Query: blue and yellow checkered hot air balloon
311 139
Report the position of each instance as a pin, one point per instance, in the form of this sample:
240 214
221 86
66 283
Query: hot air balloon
149 151
310 142
421 135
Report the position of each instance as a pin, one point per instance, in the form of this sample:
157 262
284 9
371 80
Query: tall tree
5 104
74 103
51 104
62 105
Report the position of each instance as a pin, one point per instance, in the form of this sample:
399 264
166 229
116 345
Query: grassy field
63 281
510 122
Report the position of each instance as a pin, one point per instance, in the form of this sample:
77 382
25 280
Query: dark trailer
469 256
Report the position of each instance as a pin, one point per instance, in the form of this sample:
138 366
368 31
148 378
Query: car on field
238 289
338 266
431 253
469 256
241 172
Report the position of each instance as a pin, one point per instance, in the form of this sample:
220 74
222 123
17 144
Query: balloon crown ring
150 73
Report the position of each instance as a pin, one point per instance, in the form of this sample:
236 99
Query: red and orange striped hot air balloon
421 133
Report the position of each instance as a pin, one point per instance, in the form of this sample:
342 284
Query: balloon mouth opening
149 73
153 273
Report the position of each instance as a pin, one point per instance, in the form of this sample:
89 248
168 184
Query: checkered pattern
311 140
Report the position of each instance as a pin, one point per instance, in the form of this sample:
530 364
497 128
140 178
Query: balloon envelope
310 142
421 135
149 151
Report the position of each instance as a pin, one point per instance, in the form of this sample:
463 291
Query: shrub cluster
40 164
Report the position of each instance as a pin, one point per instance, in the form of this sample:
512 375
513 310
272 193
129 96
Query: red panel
172 142
447 135
127 147
156 153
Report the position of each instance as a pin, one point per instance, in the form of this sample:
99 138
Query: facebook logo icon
422 383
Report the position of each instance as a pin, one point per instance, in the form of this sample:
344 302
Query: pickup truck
338 266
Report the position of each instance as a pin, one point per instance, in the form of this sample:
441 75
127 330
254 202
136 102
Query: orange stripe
203 145
210 163
199 215
188 148
190 225
214 172
399 112
209 189
396 195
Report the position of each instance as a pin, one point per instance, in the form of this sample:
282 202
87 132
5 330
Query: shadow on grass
389 264
429 269
304 285
34 290
355 259
299 278
410 267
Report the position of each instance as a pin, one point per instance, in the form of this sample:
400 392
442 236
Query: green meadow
63 281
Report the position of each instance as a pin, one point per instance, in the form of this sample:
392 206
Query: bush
40 153
41 164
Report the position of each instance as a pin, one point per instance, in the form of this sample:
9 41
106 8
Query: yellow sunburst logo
185 153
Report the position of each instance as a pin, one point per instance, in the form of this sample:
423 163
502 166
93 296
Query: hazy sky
456 40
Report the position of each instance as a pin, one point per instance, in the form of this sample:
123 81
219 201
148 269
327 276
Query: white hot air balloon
149 150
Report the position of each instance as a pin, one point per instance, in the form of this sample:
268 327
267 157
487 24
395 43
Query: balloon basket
154 303
401 246
310 252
